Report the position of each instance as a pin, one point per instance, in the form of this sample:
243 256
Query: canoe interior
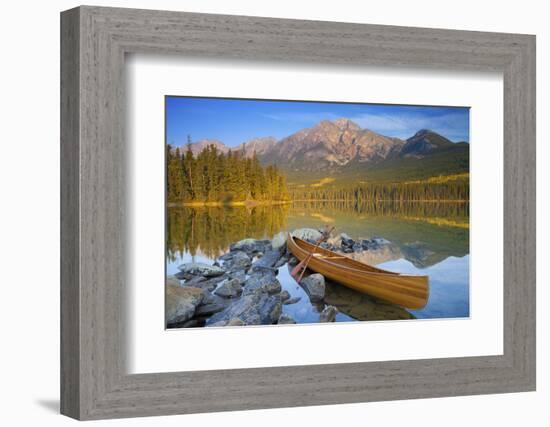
409 291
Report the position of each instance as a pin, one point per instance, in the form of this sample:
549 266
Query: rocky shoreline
242 287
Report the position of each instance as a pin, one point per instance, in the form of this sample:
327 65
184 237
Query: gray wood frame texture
94 41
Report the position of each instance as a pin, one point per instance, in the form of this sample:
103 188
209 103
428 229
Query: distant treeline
213 176
456 190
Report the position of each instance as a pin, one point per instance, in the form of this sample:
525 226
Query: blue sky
234 121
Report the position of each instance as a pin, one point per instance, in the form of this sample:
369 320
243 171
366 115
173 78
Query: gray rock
285 296
229 288
270 308
279 241
282 261
251 246
201 269
209 284
239 261
381 241
172 280
226 257
267 262
217 324
262 282
235 322
211 304
195 280
181 303
253 309
314 285
346 240
328 314
180 275
307 234
192 323
286 319
239 275
292 301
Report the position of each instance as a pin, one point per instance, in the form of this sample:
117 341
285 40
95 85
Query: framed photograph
323 212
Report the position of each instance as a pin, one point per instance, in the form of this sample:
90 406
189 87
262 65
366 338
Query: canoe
409 291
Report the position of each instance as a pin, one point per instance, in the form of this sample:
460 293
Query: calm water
426 238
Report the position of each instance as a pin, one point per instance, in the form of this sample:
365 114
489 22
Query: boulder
286 319
267 261
279 241
201 269
235 322
251 246
211 304
172 280
195 280
285 296
263 282
346 240
229 288
314 285
270 308
328 314
207 284
239 261
239 275
307 234
282 261
253 309
181 303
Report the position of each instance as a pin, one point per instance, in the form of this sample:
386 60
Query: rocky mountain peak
344 124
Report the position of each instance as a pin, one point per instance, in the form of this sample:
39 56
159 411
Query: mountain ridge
342 148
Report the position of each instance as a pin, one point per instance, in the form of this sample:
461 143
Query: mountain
199 146
342 150
424 142
260 146
331 145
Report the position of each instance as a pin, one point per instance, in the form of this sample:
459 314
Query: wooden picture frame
94 41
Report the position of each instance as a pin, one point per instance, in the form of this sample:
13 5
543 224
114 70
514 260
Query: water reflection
426 238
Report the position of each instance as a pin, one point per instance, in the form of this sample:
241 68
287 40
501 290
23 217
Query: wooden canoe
409 291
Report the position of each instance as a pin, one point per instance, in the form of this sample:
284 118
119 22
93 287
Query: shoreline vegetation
253 203
213 178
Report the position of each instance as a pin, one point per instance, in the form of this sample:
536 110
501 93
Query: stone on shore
260 281
307 234
235 322
229 288
207 284
293 300
328 314
285 296
314 285
173 280
181 303
267 261
279 241
252 309
201 269
250 246
239 261
210 305
286 319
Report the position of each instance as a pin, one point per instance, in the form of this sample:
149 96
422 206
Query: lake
428 238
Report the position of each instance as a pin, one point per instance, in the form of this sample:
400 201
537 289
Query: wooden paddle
303 264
